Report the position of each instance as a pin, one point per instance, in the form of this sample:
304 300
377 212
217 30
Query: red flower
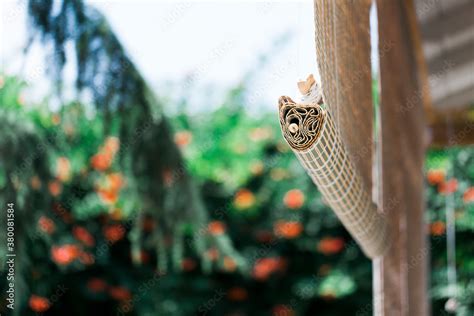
216 228
116 181
168 177
96 285
244 199
212 254
114 233
39 304
435 177
229 264
120 293
287 230
183 138
237 294
448 187
282 310
55 188
86 258
108 196
101 161
294 199
188 264
64 254
83 235
437 228
468 196
46 225
264 267
330 245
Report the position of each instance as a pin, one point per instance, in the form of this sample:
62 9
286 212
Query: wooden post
400 277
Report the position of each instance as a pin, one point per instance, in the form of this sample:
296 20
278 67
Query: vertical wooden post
400 277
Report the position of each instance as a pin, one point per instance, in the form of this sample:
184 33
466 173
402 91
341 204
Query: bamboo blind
311 132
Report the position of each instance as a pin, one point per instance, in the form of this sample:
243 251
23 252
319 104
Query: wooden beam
451 128
400 276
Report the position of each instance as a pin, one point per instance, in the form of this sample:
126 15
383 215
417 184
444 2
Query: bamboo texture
311 133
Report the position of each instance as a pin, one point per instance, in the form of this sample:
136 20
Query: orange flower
83 235
216 228
448 187
435 177
212 254
287 230
115 213
188 264
64 254
86 258
244 199
120 293
101 161
168 177
437 228
183 138
294 199
237 294
111 145
282 310
330 245
108 196
114 233
264 267
55 119
116 181
63 169
468 196
39 304
35 183
96 285
55 188
229 264
46 225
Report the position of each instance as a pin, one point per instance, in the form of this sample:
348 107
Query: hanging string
451 272
451 231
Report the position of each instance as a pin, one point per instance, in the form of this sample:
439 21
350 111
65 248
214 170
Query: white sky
217 41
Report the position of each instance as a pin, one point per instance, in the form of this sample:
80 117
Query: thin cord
449 202
451 230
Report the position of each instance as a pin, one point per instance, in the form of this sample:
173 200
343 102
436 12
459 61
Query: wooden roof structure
447 40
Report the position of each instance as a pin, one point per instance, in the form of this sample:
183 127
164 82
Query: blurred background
139 142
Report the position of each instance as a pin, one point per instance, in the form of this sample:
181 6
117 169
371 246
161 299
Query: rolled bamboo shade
311 132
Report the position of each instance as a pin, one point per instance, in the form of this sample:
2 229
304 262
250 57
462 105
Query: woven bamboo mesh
311 133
